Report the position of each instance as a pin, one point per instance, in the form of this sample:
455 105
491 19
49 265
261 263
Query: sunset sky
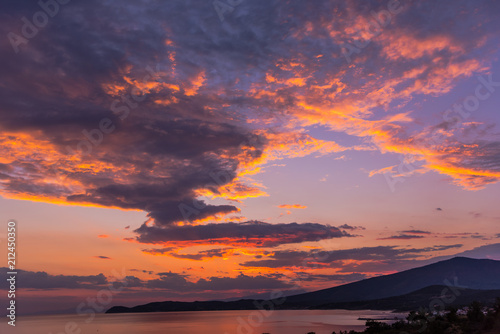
218 149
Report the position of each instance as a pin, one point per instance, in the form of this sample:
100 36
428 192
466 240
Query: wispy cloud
416 232
401 237
292 206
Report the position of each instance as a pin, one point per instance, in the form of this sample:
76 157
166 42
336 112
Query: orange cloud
292 206
193 87
351 109
404 46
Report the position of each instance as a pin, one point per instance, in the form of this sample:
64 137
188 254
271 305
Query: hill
403 290
468 273
422 298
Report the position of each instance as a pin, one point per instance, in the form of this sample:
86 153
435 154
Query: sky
195 150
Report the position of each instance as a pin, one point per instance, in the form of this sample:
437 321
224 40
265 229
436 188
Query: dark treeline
476 320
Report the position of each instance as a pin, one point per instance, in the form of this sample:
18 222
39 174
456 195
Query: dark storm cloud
253 233
42 280
83 66
169 198
64 92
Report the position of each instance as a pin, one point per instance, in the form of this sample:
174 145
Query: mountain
475 274
415 300
422 298
468 273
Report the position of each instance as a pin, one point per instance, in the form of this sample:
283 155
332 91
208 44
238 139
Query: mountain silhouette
460 276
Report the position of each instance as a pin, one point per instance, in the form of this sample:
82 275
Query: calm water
213 322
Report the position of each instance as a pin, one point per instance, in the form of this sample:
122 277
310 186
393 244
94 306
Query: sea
201 322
